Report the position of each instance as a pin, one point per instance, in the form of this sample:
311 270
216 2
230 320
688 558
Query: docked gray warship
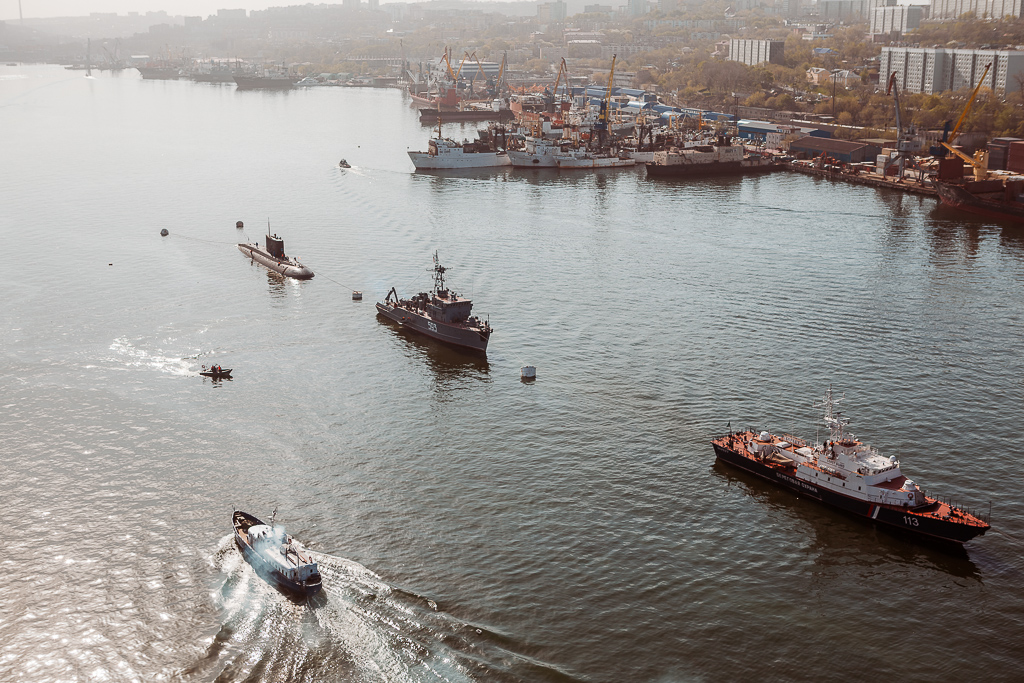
441 314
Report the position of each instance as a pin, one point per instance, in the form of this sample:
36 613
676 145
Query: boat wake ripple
359 628
130 355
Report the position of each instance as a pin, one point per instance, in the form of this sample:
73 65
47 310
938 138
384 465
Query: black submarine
273 257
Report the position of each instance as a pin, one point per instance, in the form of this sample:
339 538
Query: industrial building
760 130
845 151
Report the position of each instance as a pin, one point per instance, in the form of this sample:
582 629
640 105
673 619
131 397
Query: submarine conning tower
275 246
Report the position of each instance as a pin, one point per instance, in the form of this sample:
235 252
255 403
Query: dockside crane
980 159
904 141
601 127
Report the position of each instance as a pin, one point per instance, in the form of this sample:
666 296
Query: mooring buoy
164 233
528 373
357 296
239 225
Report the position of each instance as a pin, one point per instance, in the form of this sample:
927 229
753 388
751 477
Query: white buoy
357 296
528 373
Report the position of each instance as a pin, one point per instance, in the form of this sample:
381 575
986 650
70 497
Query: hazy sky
79 8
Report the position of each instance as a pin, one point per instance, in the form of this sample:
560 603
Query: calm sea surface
471 527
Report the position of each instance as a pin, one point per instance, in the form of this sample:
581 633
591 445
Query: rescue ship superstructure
850 475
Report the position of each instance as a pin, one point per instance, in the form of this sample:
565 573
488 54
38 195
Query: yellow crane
446 57
501 70
602 117
461 64
562 69
980 160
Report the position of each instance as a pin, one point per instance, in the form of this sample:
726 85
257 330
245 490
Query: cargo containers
998 152
1015 157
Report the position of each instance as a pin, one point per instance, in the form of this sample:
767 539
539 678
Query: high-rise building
983 9
897 19
753 52
850 10
935 70
551 12
637 8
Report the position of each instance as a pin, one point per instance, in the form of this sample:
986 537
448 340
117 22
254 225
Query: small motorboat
343 164
216 372
276 556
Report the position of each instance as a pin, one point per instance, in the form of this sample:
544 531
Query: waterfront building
752 52
935 70
845 151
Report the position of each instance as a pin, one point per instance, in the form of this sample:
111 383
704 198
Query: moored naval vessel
276 556
273 257
849 475
441 314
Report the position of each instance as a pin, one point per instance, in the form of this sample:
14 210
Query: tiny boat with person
851 476
216 371
275 556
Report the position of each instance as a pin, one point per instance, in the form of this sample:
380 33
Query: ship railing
953 504
795 440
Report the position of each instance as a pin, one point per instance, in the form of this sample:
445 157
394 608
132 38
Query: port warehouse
761 130
636 102
845 151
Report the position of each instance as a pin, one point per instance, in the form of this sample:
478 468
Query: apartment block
753 52
896 19
983 9
935 70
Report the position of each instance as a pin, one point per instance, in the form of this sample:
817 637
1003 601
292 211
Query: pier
867 178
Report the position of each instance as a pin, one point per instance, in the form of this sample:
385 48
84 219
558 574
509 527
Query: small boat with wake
273 257
276 556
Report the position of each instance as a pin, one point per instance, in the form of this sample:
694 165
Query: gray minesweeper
273 257
440 314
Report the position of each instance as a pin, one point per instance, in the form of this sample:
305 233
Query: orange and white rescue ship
847 474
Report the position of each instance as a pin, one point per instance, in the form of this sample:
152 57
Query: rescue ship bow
851 476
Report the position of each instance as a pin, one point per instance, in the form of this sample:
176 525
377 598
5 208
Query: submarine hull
288 267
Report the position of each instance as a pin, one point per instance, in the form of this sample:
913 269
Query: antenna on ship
438 273
834 420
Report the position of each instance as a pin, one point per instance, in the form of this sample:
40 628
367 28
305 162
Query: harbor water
471 526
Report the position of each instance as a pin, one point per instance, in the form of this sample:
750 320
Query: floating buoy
164 233
239 225
528 373
357 296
